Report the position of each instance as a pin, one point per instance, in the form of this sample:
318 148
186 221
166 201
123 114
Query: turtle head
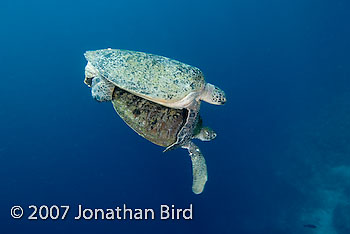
206 134
213 95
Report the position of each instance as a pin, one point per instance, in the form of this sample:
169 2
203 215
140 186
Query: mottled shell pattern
156 123
154 77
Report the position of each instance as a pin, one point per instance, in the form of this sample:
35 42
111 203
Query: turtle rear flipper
101 89
199 168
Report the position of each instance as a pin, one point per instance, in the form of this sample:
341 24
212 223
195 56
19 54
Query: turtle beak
223 100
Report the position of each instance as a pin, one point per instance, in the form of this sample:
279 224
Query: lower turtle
161 125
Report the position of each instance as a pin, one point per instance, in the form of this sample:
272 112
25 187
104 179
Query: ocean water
280 163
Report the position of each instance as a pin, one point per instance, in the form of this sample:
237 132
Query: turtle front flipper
186 133
199 168
101 89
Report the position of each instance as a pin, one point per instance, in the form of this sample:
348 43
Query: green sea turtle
155 78
161 125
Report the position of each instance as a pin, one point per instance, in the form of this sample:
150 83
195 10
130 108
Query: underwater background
280 163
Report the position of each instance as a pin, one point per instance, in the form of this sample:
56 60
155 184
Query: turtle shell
156 123
156 78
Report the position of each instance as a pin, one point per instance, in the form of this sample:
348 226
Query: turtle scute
152 121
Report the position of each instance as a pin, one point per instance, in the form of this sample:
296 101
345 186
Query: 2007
45 212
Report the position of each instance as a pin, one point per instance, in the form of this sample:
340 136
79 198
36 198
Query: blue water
281 158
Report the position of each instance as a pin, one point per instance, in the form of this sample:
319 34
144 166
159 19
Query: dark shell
156 123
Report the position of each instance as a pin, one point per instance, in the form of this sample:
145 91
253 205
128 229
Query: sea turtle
156 78
161 125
